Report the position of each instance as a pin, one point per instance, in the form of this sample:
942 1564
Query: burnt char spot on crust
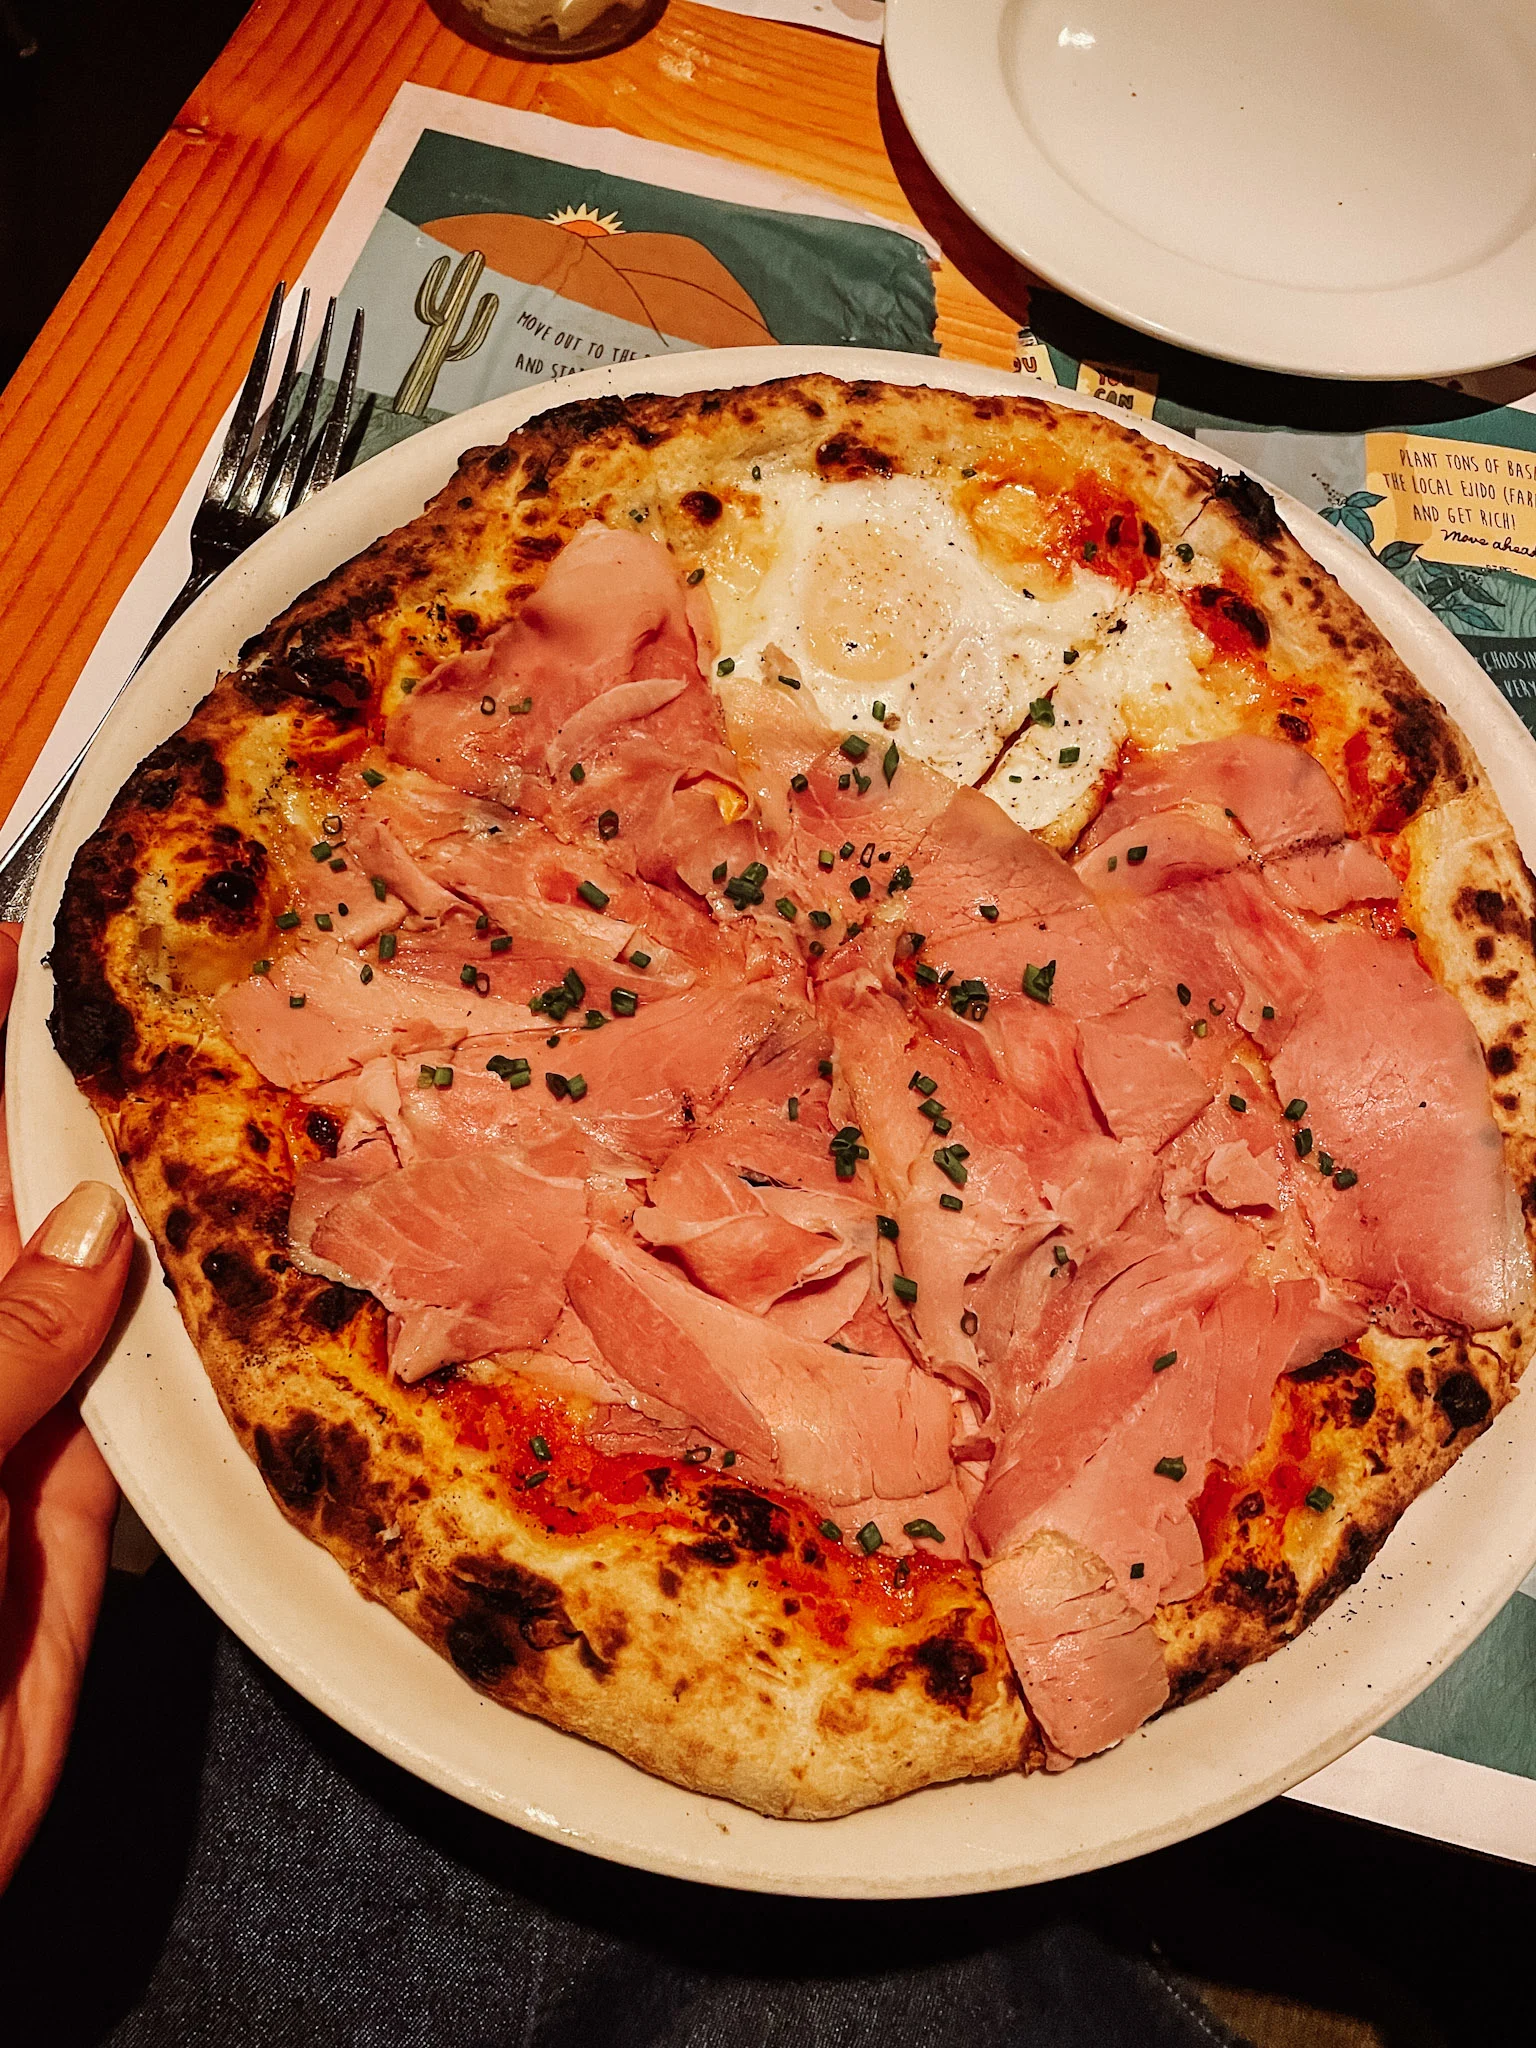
1427 755
1246 617
1464 1400
1355 1553
1270 1591
701 506
502 1610
747 1519
848 459
322 1130
335 1306
1502 1059
1329 1367
1294 728
292 1460
236 1282
712 1550
949 1666
321 1469
478 1647
178 1228
1251 507
227 899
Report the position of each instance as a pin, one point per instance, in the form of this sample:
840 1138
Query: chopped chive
1295 1109
1069 757
1268 1013
891 763
532 1479
1170 1468
1216 1009
870 1539
261 967
482 922
1319 1498
296 1002
379 887
845 781
902 879
287 920
1069 655
877 710
409 685
623 1002
757 474
1238 1103
576 1087
539 1448
1303 1142
989 911
488 706
924 974
1346 1177
322 850
323 920
950 1160
820 918
1090 549
467 974
1184 551
727 1457
854 747
372 777
792 1109
831 1531
1038 981
888 1227
424 1076
799 784
607 824
932 1108
845 851
387 945
923 1084
1138 1570
790 682
1113 862
589 892
1162 1364
365 974
786 909
1042 711
718 874
640 960
578 773
1325 1164
1200 1027
859 887
501 943
695 577
726 667
1061 1255
442 1077
825 858
950 1202
942 1126
337 867
824 1068
1135 855
1182 993
595 1021
923 1530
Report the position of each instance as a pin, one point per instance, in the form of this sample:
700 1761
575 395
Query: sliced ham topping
1330 878
825 1424
1276 791
469 1255
1397 1094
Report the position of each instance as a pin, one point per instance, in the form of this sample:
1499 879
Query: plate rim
108 1409
933 47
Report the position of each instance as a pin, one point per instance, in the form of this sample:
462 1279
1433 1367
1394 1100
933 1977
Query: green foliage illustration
1459 598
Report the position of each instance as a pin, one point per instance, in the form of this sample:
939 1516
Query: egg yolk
872 605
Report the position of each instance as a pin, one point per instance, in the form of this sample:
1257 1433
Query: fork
260 477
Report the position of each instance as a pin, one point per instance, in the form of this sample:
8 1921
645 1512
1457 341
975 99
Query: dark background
1418 1945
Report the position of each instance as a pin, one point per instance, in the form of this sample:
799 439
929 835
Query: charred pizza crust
680 1634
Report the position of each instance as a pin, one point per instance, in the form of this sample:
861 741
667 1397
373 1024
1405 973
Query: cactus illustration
440 312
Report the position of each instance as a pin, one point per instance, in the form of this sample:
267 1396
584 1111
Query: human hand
57 1300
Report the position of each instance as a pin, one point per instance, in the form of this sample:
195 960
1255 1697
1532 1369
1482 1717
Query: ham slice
469 1255
1330 878
822 1423
1397 1093
1276 791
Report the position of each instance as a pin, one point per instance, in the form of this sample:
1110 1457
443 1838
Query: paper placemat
864 19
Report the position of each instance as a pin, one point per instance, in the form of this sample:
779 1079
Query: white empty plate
1456 1557
1339 188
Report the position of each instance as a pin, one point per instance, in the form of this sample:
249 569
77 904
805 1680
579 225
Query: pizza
834 1077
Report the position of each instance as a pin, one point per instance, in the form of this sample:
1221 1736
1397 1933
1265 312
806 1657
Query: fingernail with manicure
83 1229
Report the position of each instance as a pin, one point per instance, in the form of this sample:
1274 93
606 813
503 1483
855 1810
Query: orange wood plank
105 418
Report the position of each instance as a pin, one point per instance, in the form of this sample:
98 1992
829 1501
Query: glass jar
550 31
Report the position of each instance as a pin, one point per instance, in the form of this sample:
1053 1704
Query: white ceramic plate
1341 188
1457 1556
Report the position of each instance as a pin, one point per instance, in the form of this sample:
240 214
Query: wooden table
106 417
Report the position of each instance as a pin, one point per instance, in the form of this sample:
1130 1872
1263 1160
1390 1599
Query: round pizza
835 1077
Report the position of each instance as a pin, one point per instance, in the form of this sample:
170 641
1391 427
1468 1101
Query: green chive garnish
1135 855
467 975
261 967
379 887
891 763
989 911
1069 655
786 909
295 1002
695 577
488 707
870 1539
820 918
288 920
1200 1027
950 1160
607 824
589 892
1303 1143
372 777
1138 1571
623 1002
854 747
1346 1177
726 667
576 1087
799 784
792 1109
1319 1498
824 1068
1162 1364
1238 1103
1170 1468
950 1202
1069 757
322 850
831 1531
640 960
1184 551
1268 1013
365 974
387 945
1295 1109
903 1288
501 944
923 1084
1042 711
578 773
888 1227
1038 981
442 1077
1325 1164
539 1448
718 874
323 920
922 1529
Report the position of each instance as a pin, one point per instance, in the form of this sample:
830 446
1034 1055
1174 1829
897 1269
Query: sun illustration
586 221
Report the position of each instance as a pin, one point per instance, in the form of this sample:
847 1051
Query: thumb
57 1303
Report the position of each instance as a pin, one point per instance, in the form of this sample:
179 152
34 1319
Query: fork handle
18 871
